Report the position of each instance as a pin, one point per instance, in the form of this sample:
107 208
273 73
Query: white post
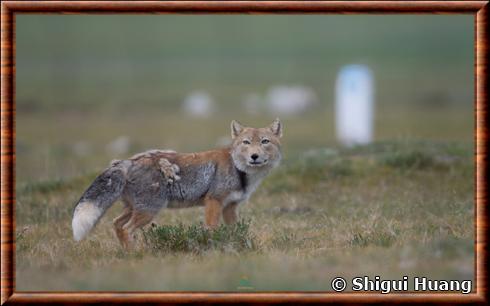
354 105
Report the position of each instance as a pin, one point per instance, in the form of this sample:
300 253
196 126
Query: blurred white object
290 100
119 146
253 103
82 148
354 105
199 104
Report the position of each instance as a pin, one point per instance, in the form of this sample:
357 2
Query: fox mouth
257 163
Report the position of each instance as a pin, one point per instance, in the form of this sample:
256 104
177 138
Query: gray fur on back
194 183
148 189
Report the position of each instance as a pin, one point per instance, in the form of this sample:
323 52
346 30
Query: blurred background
93 88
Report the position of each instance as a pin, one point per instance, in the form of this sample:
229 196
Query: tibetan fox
219 180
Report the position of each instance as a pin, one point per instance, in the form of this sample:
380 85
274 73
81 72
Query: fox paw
169 170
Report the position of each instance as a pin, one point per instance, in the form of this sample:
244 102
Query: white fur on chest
253 181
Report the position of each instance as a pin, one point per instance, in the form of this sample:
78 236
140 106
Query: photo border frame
9 10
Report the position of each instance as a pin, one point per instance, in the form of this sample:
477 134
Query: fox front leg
169 170
213 211
230 213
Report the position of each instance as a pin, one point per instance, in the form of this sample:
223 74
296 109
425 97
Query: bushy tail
104 191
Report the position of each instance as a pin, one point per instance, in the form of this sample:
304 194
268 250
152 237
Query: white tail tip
84 219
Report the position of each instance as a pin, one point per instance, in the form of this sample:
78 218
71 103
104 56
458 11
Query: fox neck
243 179
248 184
247 175
250 180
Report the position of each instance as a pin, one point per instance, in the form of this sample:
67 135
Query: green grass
392 208
195 238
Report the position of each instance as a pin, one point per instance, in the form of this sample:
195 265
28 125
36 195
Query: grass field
390 209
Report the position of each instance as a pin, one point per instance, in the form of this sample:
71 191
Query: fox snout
257 160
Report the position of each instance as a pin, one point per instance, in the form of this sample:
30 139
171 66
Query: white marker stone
354 105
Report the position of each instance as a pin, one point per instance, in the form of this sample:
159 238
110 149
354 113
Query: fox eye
247 142
265 141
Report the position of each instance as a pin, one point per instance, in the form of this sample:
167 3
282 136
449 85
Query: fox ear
236 128
276 128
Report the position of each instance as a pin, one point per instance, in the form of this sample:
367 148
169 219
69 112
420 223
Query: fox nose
254 156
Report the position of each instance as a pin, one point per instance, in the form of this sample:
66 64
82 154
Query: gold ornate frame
9 10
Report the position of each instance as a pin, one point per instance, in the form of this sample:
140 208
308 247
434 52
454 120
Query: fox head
256 149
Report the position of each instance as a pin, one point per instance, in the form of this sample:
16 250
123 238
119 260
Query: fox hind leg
137 220
119 223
